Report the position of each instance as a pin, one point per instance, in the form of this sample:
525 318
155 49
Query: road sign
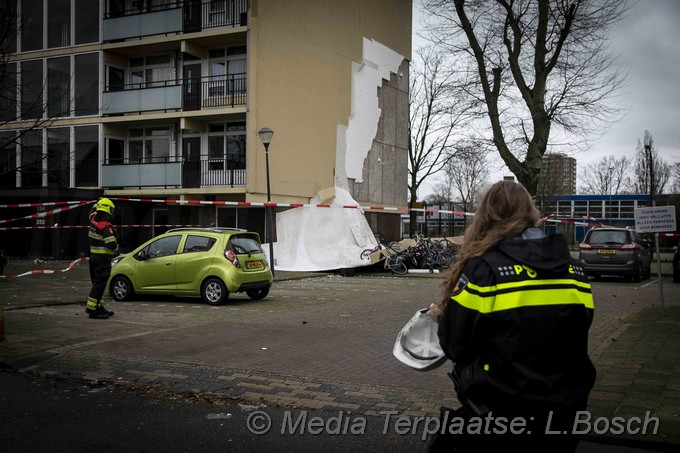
656 219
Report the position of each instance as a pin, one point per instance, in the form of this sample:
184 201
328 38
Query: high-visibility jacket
516 326
102 237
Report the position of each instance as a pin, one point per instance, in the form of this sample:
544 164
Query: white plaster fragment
378 62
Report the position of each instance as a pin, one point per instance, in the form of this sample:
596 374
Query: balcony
225 172
193 94
137 23
174 17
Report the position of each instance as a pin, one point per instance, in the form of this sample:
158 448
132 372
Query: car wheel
214 292
637 274
257 294
121 288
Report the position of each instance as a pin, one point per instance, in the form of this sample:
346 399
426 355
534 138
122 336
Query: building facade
162 100
558 174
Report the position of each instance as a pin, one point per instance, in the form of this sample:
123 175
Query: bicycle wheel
395 263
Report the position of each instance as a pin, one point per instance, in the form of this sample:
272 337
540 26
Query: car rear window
608 237
244 245
198 243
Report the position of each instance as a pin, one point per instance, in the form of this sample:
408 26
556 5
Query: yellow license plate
607 251
253 264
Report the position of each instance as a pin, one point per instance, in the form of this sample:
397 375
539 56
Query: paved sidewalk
288 366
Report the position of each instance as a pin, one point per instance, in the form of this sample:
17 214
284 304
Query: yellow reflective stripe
91 303
94 235
514 295
110 239
101 251
528 284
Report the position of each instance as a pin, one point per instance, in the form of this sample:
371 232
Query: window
150 71
149 145
8 93
163 247
32 25
32 89
87 21
227 143
8 160
58 87
86 84
58 23
8 43
87 156
228 73
58 157
198 243
31 159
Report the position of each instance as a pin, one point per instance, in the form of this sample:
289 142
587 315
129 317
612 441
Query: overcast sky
648 44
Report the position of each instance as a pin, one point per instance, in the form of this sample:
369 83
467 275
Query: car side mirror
142 255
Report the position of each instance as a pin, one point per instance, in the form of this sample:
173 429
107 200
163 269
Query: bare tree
651 171
607 176
676 177
436 111
441 194
467 171
532 66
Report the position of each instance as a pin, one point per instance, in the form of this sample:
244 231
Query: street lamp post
266 137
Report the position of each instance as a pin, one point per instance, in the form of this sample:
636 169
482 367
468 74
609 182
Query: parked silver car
615 251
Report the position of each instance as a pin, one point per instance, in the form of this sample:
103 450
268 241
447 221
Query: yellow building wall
301 56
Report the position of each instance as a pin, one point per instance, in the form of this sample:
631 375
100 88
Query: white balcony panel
142 175
134 26
142 100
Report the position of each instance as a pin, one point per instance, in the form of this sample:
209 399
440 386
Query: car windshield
608 237
244 244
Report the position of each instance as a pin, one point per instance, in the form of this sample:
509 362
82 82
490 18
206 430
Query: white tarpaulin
321 239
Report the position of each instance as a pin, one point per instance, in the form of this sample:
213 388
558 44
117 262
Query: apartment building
162 100
558 174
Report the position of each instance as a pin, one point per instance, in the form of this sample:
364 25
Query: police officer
514 321
103 247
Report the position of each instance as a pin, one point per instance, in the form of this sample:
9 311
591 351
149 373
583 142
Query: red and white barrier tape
38 205
46 271
46 213
53 227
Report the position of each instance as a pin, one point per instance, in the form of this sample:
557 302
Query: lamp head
265 135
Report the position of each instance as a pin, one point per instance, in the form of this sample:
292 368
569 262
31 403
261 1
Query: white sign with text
656 219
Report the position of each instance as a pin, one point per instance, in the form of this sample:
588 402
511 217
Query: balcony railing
173 17
168 172
194 94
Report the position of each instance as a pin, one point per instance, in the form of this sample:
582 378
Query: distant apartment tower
558 174
163 100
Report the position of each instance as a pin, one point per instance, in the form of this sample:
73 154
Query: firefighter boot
96 314
105 311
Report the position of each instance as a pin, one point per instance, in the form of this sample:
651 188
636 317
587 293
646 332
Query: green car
206 262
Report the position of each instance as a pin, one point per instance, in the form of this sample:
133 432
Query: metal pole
270 230
652 202
662 308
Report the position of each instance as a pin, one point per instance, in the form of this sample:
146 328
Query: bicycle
392 247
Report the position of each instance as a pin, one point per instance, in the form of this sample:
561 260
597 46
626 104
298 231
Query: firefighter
103 247
514 321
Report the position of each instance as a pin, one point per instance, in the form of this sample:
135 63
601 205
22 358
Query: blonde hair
505 211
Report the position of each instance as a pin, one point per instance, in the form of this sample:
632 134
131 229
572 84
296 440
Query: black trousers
100 271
